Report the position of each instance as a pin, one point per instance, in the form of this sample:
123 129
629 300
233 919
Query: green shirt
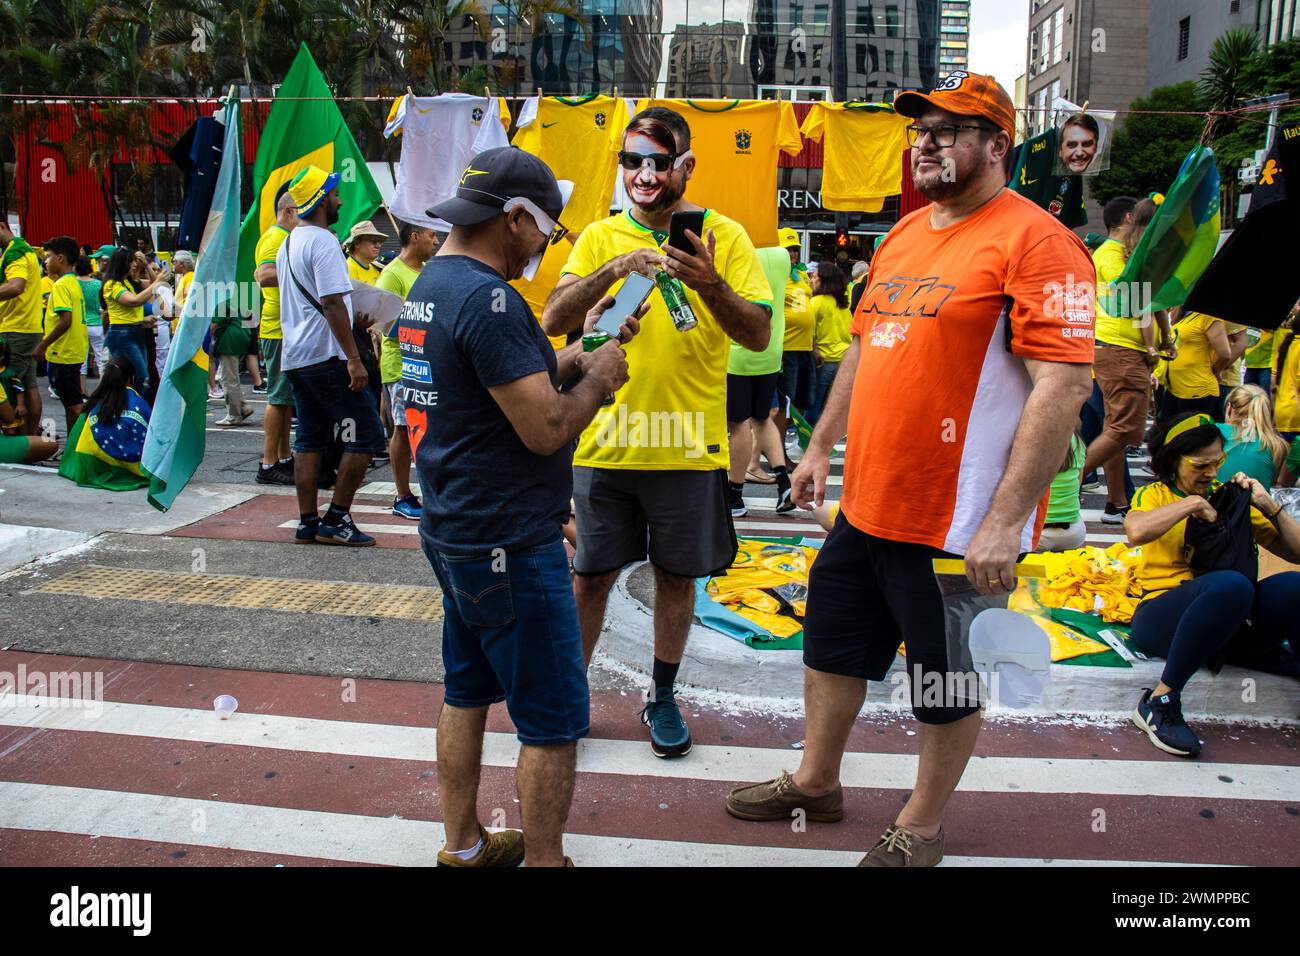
1253 458
1063 502
90 292
1062 196
1293 457
775 263
396 278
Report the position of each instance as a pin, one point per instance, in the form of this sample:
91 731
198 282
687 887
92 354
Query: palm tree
1220 82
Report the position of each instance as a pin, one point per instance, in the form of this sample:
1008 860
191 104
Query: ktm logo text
902 296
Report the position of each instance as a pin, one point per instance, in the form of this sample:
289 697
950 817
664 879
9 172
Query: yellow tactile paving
243 591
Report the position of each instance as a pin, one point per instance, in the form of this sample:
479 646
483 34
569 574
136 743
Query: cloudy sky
999 31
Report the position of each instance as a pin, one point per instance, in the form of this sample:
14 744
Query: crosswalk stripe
708 762
354 838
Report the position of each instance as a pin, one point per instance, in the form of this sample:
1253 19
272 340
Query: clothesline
38 98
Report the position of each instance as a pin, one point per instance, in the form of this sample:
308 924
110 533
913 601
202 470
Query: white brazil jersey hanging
440 136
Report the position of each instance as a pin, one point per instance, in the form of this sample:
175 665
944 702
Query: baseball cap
498 180
309 187
966 94
103 252
787 237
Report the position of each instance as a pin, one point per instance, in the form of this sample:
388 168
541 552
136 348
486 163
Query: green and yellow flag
301 132
1180 241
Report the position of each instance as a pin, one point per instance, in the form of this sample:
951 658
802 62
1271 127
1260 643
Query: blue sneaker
345 533
668 734
408 507
306 533
1162 719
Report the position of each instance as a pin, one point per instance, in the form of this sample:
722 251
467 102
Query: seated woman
107 442
1187 619
15 447
1251 443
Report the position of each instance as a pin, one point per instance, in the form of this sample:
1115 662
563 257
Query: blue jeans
511 633
825 379
1263 377
1188 625
129 342
1093 416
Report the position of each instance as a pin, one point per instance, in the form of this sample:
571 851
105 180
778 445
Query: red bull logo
885 335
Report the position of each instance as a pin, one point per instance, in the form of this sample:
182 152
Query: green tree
1149 149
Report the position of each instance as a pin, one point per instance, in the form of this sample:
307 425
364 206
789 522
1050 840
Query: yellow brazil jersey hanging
735 144
579 139
863 142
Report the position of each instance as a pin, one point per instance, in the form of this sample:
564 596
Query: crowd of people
974 417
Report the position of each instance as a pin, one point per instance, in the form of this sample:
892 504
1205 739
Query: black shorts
66 381
750 396
324 402
679 519
799 379
867 595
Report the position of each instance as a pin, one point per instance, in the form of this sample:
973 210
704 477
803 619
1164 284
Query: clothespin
616 92
409 91
1084 111
487 91
539 94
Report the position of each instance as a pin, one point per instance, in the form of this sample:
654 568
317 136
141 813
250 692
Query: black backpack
1228 542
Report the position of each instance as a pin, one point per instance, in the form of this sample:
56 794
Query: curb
717 664
21 545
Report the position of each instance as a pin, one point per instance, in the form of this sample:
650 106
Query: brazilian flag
802 429
1178 244
102 455
305 128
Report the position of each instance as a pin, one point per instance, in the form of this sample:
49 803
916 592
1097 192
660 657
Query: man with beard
319 355
969 364
652 467
1080 137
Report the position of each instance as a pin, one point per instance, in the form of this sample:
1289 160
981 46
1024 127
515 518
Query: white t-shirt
317 262
440 135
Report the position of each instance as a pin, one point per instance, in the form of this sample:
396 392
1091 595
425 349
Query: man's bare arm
546 420
266 276
13 288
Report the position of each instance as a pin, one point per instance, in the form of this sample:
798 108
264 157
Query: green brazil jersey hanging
1062 196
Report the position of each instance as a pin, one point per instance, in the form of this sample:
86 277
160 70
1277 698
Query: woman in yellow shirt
831 338
1191 378
1188 619
1286 380
124 298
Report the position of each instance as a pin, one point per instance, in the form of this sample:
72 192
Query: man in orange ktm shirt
969 364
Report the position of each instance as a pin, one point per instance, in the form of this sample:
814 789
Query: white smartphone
636 288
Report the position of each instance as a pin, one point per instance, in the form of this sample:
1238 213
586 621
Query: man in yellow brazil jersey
656 459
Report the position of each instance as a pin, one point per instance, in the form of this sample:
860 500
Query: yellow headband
1196 421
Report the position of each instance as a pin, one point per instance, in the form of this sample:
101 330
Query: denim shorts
510 632
324 401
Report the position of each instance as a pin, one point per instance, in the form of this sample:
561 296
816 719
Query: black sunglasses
662 161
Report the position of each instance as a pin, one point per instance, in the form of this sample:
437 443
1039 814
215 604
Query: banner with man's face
1083 139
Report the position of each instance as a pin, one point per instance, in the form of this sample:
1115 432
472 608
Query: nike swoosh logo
1032 181
548 125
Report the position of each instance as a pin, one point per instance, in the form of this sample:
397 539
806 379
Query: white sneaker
245 416
228 421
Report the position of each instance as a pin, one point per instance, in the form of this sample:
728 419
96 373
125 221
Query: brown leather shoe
504 848
778 799
901 847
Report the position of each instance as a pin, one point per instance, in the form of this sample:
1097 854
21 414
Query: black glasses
942 135
662 162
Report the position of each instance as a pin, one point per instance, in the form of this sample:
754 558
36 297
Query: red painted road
259 519
608 804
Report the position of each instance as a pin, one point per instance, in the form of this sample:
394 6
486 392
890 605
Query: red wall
55 200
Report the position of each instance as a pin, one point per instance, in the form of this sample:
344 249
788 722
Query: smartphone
681 221
636 288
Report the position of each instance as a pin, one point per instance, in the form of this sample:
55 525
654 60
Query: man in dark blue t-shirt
493 441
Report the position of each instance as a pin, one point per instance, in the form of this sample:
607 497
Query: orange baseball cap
966 94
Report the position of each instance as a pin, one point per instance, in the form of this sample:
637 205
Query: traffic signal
841 238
